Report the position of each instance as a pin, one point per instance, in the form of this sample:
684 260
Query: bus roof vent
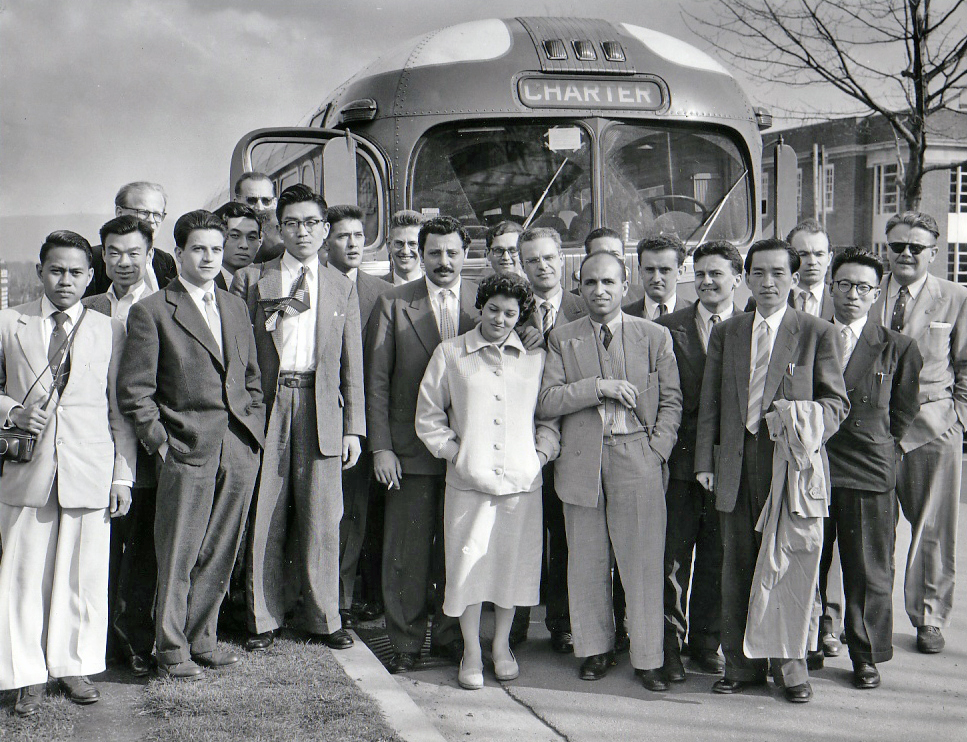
552 36
363 109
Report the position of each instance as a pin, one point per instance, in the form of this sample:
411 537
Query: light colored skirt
493 546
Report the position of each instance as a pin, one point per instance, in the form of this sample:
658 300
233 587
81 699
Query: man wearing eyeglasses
147 201
502 248
257 191
933 312
881 369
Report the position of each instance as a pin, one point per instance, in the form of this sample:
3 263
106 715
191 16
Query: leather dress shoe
79 689
596 666
728 686
347 618
673 668
370 611
815 660
216 659
139 665
452 651
622 642
259 642
29 699
830 645
798 693
708 660
338 639
562 642
402 662
654 680
186 670
865 675
929 640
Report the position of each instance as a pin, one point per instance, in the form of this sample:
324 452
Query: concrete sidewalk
922 696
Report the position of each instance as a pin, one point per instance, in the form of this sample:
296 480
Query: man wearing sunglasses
933 312
257 191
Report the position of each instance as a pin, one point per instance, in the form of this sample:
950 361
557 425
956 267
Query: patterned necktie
547 318
288 306
606 336
56 350
900 309
447 329
848 344
758 382
214 321
662 310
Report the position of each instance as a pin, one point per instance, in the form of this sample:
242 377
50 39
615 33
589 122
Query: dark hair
236 210
615 258
773 244
915 219
809 226
722 249
507 285
504 227
127 224
195 220
858 256
539 233
65 238
660 243
406 218
596 234
300 194
442 225
254 175
341 212
121 199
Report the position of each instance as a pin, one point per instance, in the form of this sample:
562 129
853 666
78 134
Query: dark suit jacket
401 338
825 309
340 409
805 365
637 308
368 289
174 382
883 383
163 265
690 356
572 308
220 282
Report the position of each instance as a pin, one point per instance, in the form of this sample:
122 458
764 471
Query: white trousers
53 592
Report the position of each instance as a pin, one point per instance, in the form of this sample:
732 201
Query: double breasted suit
929 475
401 338
804 365
302 468
613 486
882 381
54 522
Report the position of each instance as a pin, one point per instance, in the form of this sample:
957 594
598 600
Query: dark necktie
606 336
713 320
662 310
288 306
900 309
56 350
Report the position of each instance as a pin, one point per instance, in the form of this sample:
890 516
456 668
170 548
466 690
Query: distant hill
22 236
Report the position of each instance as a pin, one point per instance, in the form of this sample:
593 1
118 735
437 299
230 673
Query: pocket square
940 325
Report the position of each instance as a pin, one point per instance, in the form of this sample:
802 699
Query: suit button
857 423
577 453
498 471
60 441
497 421
498 372
498 397
866 399
497 446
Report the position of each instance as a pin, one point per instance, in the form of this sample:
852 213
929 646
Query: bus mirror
785 165
339 171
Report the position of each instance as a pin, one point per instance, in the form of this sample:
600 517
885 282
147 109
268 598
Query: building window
958 191
764 200
886 189
798 190
957 262
829 181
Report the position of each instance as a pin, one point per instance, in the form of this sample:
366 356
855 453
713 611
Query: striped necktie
56 349
547 318
447 328
848 344
758 382
288 306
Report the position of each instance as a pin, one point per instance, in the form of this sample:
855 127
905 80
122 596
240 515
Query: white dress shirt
399 280
817 291
299 332
121 306
452 303
651 307
773 321
855 329
704 325
197 294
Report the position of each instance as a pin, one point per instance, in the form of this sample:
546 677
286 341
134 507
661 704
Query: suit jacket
98 303
174 381
572 308
938 322
825 309
162 263
882 381
220 282
368 289
401 338
87 442
339 354
637 308
568 395
690 355
804 366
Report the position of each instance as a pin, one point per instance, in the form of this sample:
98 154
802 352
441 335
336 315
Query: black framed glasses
146 215
915 248
862 289
311 225
511 251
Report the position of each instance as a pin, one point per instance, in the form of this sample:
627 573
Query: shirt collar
651 306
707 315
614 325
554 299
773 321
47 308
197 292
136 292
855 327
434 290
228 276
818 291
294 265
914 288
353 274
399 280
475 341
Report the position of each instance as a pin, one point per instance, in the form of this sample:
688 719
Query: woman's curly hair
513 286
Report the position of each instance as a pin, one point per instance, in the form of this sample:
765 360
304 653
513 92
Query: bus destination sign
571 92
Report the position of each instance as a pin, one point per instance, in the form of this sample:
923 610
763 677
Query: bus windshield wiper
533 213
710 219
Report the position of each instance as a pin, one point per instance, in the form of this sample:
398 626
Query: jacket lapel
187 314
687 338
924 310
781 355
869 345
30 335
585 348
468 308
740 340
421 316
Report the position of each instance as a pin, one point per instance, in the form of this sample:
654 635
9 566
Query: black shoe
865 675
673 668
815 660
139 665
186 670
654 680
338 639
622 642
346 616
708 660
518 635
798 693
29 699
402 662
452 651
929 640
830 645
216 659
259 642
596 666
727 686
562 642
370 611
79 689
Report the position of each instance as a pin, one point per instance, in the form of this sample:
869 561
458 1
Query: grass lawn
292 691
54 723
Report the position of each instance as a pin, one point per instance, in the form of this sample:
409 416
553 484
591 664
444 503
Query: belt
614 440
296 379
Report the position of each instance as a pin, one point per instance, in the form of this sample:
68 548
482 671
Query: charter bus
570 123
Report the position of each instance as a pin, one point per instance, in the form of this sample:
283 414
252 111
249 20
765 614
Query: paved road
922 697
